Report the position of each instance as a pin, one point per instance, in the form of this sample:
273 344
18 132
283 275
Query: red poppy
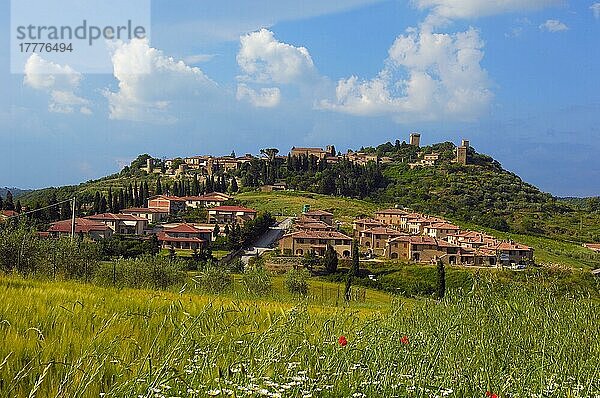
404 340
342 341
490 394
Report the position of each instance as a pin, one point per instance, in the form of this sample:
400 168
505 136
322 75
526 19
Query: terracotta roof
513 246
392 211
307 149
183 229
9 213
318 213
142 210
162 236
319 235
209 197
442 225
171 198
367 221
232 208
116 217
81 225
385 231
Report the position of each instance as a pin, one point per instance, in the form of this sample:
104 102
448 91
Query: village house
168 204
397 248
92 229
6 214
320 215
390 216
304 242
184 237
361 224
125 224
472 239
416 226
361 158
208 200
230 215
152 215
319 153
480 257
440 230
309 224
510 252
375 239
428 160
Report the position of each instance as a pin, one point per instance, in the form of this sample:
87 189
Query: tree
18 207
234 185
217 230
354 270
330 260
8 203
441 280
159 190
310 260
154 245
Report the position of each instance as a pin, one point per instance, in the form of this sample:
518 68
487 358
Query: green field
67 339
290 203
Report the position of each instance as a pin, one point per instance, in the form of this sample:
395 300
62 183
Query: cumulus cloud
427 76
150 82
59 81
596 10
553 25
266 61
446 10
263 98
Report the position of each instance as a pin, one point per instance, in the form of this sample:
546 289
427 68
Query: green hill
481 192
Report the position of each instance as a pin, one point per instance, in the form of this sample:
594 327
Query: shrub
147 272
257 281
214 279
296 282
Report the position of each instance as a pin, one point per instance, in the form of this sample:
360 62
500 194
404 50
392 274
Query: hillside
481 192
15 191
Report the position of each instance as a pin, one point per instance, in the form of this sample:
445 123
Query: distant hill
481 192
15 191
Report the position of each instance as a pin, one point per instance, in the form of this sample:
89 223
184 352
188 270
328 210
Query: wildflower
489 394
404 340
342 341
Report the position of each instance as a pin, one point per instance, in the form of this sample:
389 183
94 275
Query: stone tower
461 152
415 139
149 165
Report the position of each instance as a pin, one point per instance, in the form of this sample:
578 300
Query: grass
291 202
77 340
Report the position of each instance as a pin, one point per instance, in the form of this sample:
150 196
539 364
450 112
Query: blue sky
518 78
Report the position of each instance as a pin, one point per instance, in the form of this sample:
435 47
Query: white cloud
150 82
198 58
60 81
596 10
263 98
553 25
428 76
264 59
445 10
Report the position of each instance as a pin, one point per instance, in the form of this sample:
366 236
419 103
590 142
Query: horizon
518 79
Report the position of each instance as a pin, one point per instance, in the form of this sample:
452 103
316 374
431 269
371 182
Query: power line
40 209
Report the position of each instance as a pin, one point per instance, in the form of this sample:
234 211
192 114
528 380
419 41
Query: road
265 242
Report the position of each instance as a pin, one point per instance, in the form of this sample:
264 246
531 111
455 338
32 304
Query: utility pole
73 221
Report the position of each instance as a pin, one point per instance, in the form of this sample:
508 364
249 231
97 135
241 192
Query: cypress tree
354 270
159 190
330 260
441 280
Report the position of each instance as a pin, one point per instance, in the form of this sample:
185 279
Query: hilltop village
395 234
